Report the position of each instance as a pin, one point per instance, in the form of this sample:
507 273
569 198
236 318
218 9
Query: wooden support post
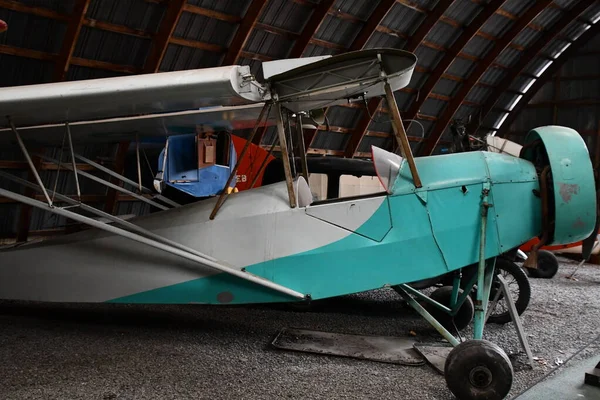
400 134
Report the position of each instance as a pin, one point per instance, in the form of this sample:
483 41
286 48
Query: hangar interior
508 65
493 67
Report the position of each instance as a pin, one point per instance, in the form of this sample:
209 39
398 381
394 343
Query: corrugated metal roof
380 39
232 7
425 4
178 58
433 106
537 66
497 25
269 44
446 87
419 128
24 71
493 76
380 123
312 50
428 57
545 93
403 99
359 8
464 111
368 141
286 14
443 34
548 16
330 140
478 46
586 117
588 64
337 30
62 6
593 12
136 14
343 116
517 7
205 29
565 3
521 83
77 73
402 19
32 32
505 100
532 117
578 89
461 67
463 11
418 79
508 57
478 94
527 37
96 44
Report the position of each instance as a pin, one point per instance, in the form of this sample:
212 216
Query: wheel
519 287
478 370
424 284
547 265
462 318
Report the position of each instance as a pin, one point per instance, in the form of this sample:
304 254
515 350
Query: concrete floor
166 352
566 385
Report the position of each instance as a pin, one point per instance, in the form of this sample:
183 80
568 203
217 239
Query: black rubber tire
477 370
547 265
514 275
463 317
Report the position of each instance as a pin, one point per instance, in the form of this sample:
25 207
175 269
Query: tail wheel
519 287
477 370
547 265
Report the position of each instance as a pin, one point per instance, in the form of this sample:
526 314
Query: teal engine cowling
567 185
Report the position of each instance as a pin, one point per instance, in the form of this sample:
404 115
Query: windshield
387 166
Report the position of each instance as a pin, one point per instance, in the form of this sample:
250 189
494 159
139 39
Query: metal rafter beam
378 14
70 40
419 36
248 23
548 73
429 144
469 32
531 53
312 26
161 39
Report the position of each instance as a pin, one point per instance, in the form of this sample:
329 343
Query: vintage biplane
438 215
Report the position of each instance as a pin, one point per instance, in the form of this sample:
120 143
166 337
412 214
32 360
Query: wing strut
284 155
33 169
224 193
400 132
203 260
124 179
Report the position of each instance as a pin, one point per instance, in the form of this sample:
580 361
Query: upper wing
144 104
114 109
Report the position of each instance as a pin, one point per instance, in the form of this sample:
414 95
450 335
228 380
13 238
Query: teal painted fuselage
413 234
